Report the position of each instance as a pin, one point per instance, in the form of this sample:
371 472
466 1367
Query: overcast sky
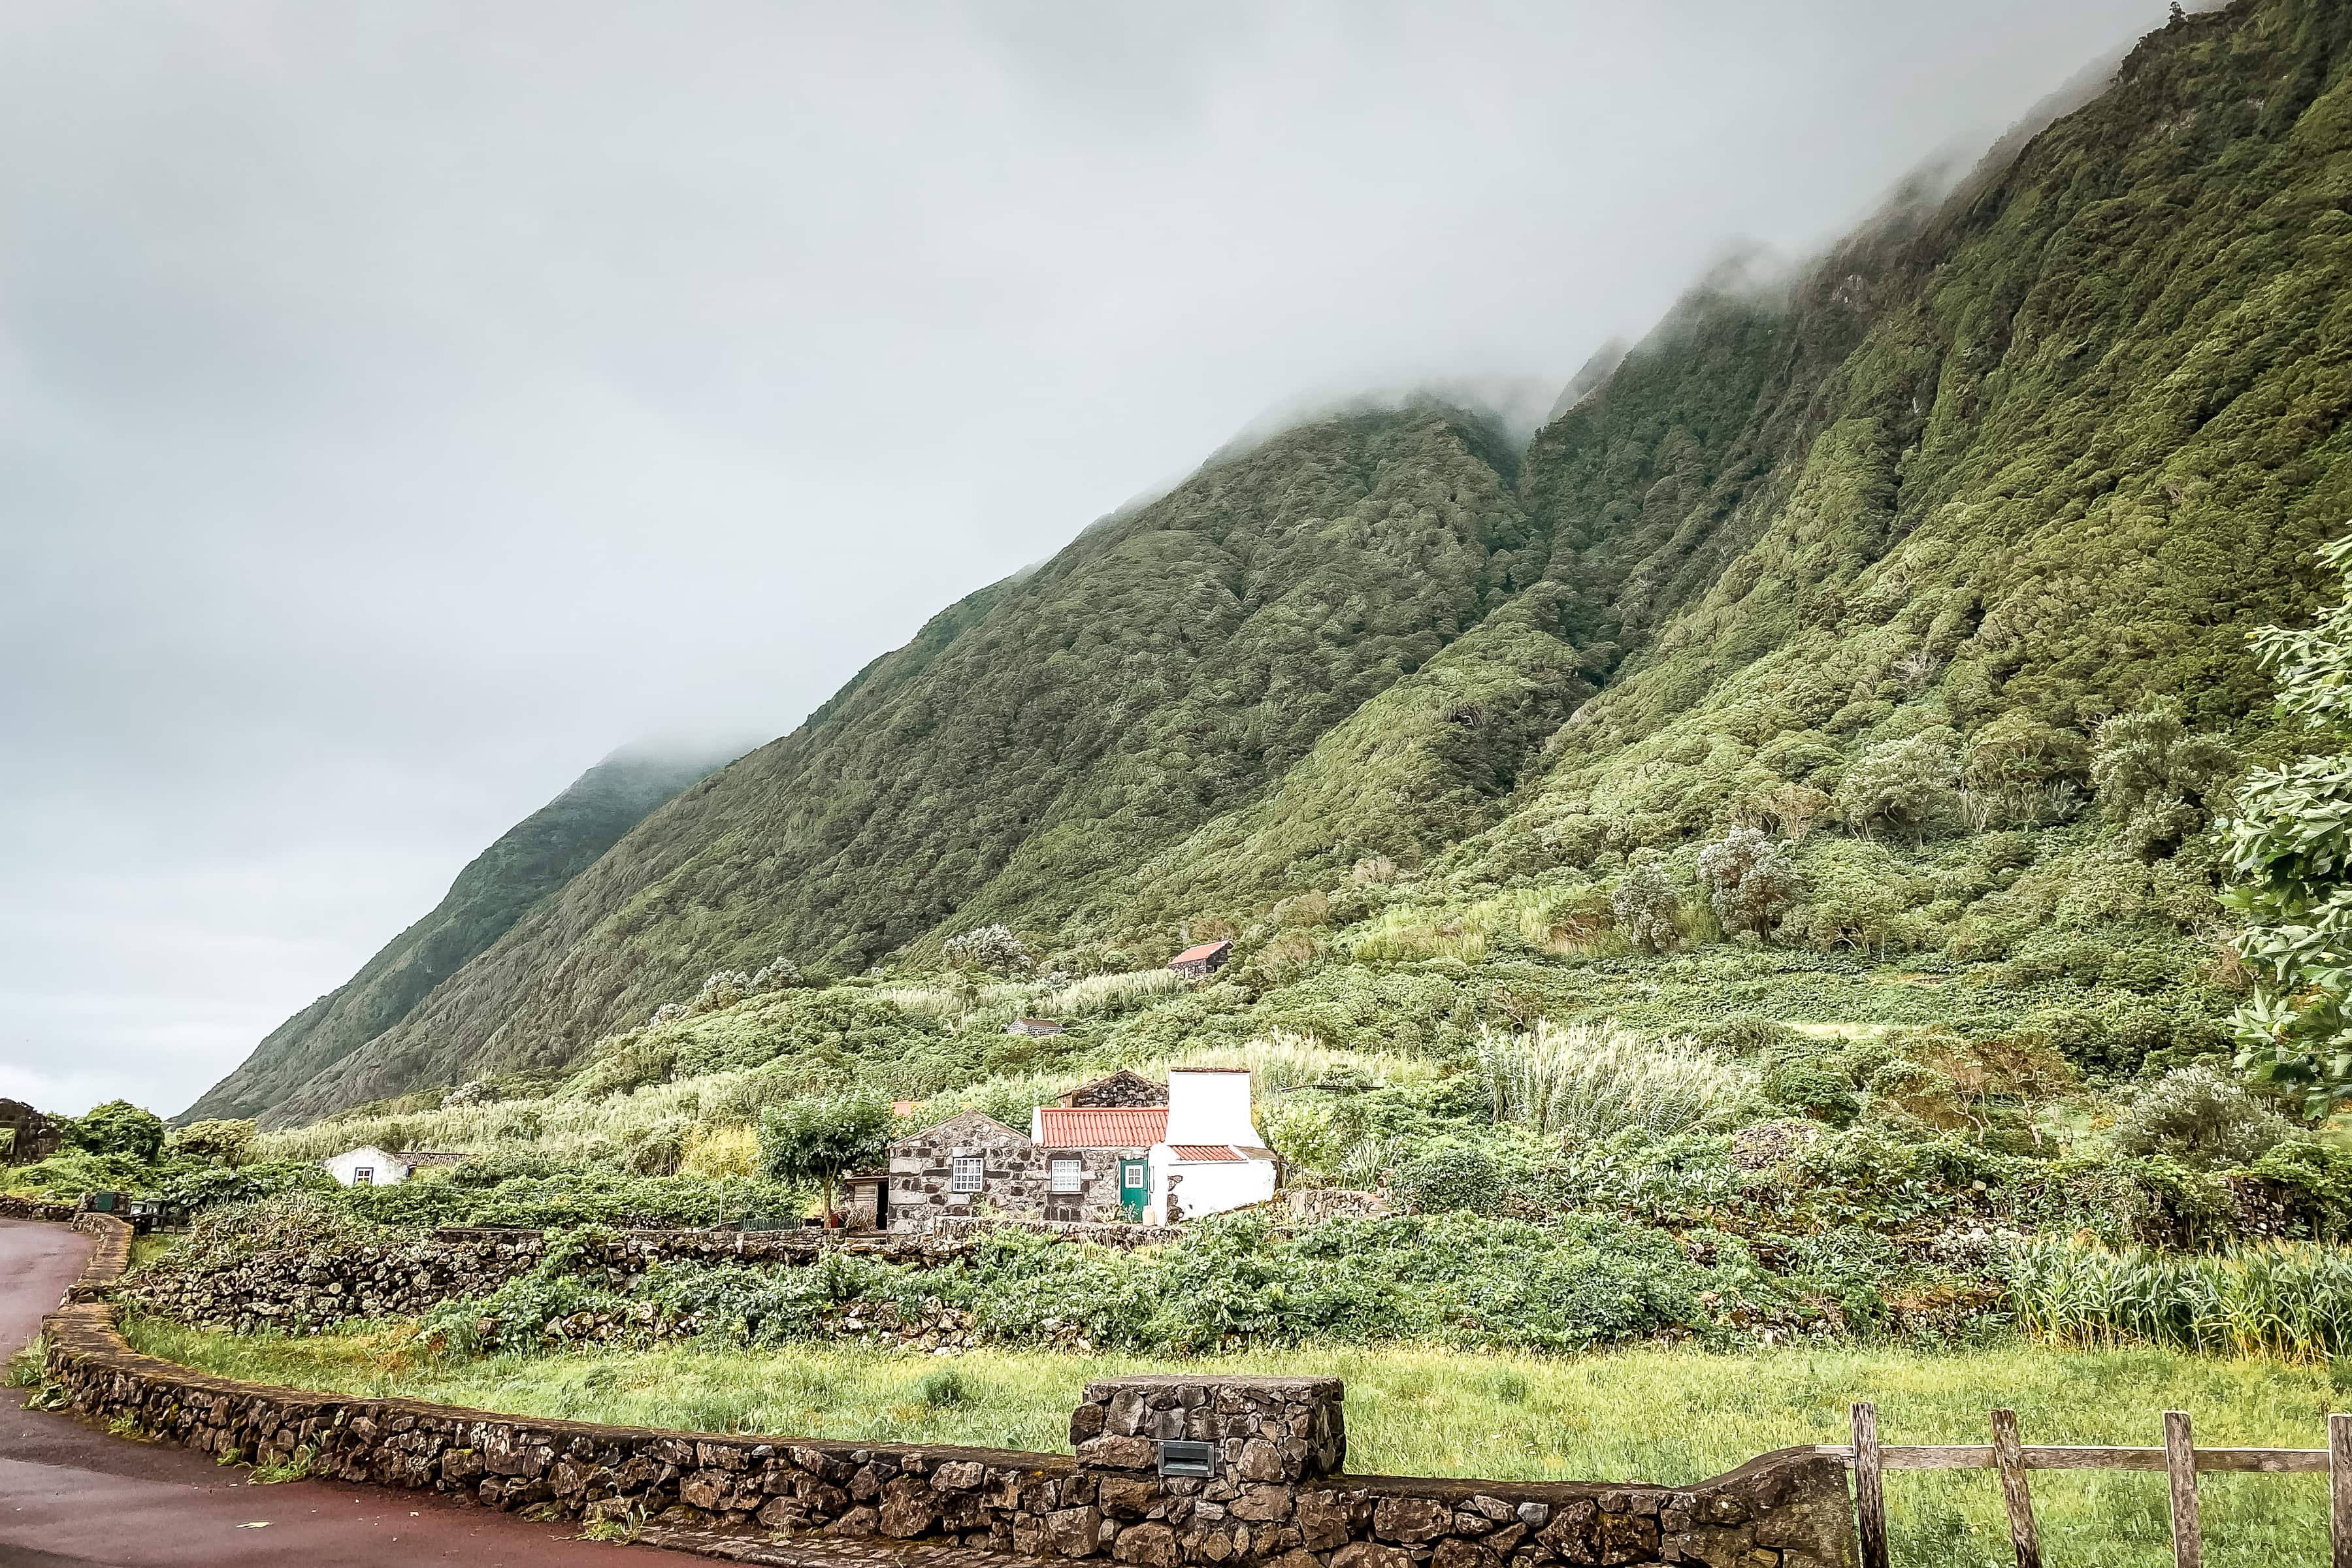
402 405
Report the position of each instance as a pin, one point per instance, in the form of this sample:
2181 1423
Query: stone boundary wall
1117 1234
300 1287
15 1208
1277 1496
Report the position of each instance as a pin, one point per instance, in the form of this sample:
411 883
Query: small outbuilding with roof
1196 963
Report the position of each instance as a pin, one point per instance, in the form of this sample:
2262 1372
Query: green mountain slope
1027 750
531 860
2024 452
2057 445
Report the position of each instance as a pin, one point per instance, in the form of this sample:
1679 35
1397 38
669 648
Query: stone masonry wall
1015 1177
15 1208
1279 1496
301 1288
1124 1089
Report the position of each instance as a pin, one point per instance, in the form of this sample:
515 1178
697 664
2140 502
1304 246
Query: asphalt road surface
70 1495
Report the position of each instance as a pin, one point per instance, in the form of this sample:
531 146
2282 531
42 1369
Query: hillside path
70 1495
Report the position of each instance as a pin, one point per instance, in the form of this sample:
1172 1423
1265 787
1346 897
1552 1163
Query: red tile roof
1206 1151
1206 950
1101 1126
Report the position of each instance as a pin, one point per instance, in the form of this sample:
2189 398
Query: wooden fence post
2009 1459
1869 1487
2339 1490
2180 1471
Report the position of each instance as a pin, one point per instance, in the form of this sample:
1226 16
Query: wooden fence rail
2182 1460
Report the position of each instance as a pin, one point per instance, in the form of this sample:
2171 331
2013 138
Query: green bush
2200 1118
1819 1094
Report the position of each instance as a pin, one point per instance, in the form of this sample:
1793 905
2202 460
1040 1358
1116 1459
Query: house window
968 1169
1065 1176
1132 1174
364 1176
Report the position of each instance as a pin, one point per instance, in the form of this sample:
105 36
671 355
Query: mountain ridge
2042 446
536 856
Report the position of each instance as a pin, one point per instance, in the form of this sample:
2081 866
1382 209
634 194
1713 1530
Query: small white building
1212 1157
369 1166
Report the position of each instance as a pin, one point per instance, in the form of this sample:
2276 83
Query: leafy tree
1747 881
723 989
993 948
781 974
2158 781
1909 786
822 1139
1646 904
224 1142
118 1127
2289 850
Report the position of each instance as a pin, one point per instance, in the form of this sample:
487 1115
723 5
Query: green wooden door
1134 1187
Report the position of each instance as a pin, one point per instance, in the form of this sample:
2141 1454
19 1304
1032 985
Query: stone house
966 1163
1195 963
1193 1152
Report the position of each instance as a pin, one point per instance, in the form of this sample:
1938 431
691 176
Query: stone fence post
1207 1470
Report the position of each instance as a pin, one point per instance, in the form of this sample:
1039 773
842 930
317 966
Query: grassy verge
1648 1415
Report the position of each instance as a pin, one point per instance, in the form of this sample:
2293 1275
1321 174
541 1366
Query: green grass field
1658 1415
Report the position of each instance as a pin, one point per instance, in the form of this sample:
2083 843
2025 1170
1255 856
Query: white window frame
363 1176
1068 1176
967 1173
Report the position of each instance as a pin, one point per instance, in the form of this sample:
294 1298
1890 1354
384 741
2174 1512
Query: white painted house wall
1209 1106
1210 1186
387 1169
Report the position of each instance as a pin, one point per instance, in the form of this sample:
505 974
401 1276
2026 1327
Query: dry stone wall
299 1288
1278 1496
1124 1089
15 1208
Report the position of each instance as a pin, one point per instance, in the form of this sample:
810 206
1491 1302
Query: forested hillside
531 860
1864 559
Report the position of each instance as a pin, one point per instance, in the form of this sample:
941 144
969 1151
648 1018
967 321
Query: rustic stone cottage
1194 1153
1195 963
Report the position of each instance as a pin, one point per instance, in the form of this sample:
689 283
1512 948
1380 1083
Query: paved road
72 1496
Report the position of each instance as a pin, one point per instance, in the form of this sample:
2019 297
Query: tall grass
1100 994
2292 1300
565 1128
1096 995
1670 1416
1282 1060
1583 1082
1403 933
1570 920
